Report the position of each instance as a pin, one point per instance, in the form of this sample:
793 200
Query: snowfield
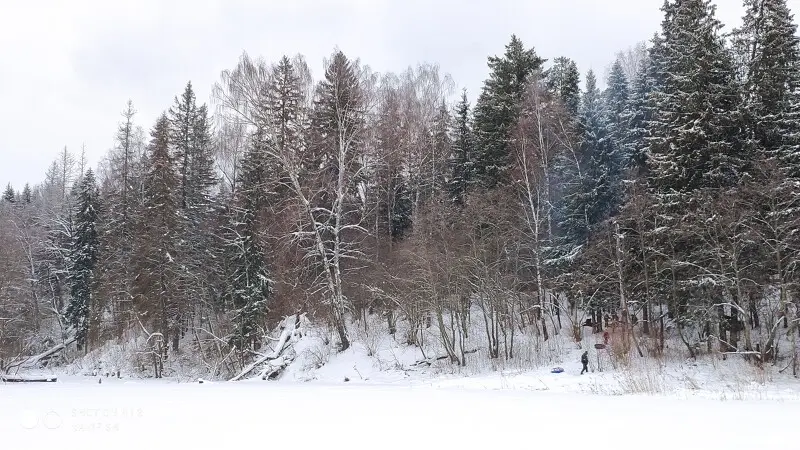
375 395
80 413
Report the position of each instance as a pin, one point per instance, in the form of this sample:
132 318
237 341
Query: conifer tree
83 258
563 80
250 284
157 267
9 194
203 176
182 123
463 152
497 111
26 194
696 149
436 167
286 117
122 197
191 143
616 104
635 116
695 142
769 50
592 177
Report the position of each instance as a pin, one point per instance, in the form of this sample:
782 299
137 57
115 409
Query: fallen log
433 359
274 368
289 326
23 379
32 361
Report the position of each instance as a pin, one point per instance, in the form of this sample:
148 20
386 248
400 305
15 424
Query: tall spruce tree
441 148
695 142
635 117
27 197
463 152
250 285
157 266
616 98
286 114
191 142
769 50
592 177
497 110
123 198
182 121
83 258
203 175
563 80
9 194
696 152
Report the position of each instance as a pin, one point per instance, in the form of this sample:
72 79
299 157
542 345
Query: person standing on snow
585 362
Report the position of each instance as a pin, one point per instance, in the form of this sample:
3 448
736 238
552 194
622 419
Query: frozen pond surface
82 414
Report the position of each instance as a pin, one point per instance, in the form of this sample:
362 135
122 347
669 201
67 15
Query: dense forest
668 200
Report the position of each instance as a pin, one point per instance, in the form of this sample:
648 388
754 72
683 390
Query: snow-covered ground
376 395
79 413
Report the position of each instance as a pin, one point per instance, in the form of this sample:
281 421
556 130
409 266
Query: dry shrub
619 347
652 344
577 333
370 337
649 381
317 355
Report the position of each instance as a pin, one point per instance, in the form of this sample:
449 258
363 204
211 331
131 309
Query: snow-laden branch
289 327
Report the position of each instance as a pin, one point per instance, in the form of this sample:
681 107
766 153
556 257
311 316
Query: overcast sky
68 67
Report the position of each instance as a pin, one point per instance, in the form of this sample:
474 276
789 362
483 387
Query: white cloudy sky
68 67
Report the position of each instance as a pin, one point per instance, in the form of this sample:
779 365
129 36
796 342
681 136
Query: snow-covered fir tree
592 177
497 110
635 116
26 196
250 284
769 51
563 79
181 134
436 164
10 195
157 269
463 152
616 101
696 138
83 258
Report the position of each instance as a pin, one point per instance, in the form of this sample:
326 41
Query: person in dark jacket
585 362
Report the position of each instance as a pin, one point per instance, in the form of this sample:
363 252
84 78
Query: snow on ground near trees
377 358
375 395
79 413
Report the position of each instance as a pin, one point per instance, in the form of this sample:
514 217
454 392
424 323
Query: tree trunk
793 331
723 333
688 345
390 322
754 319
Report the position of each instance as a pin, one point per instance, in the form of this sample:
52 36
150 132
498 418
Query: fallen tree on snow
431 360
33 361
21 379
281 356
